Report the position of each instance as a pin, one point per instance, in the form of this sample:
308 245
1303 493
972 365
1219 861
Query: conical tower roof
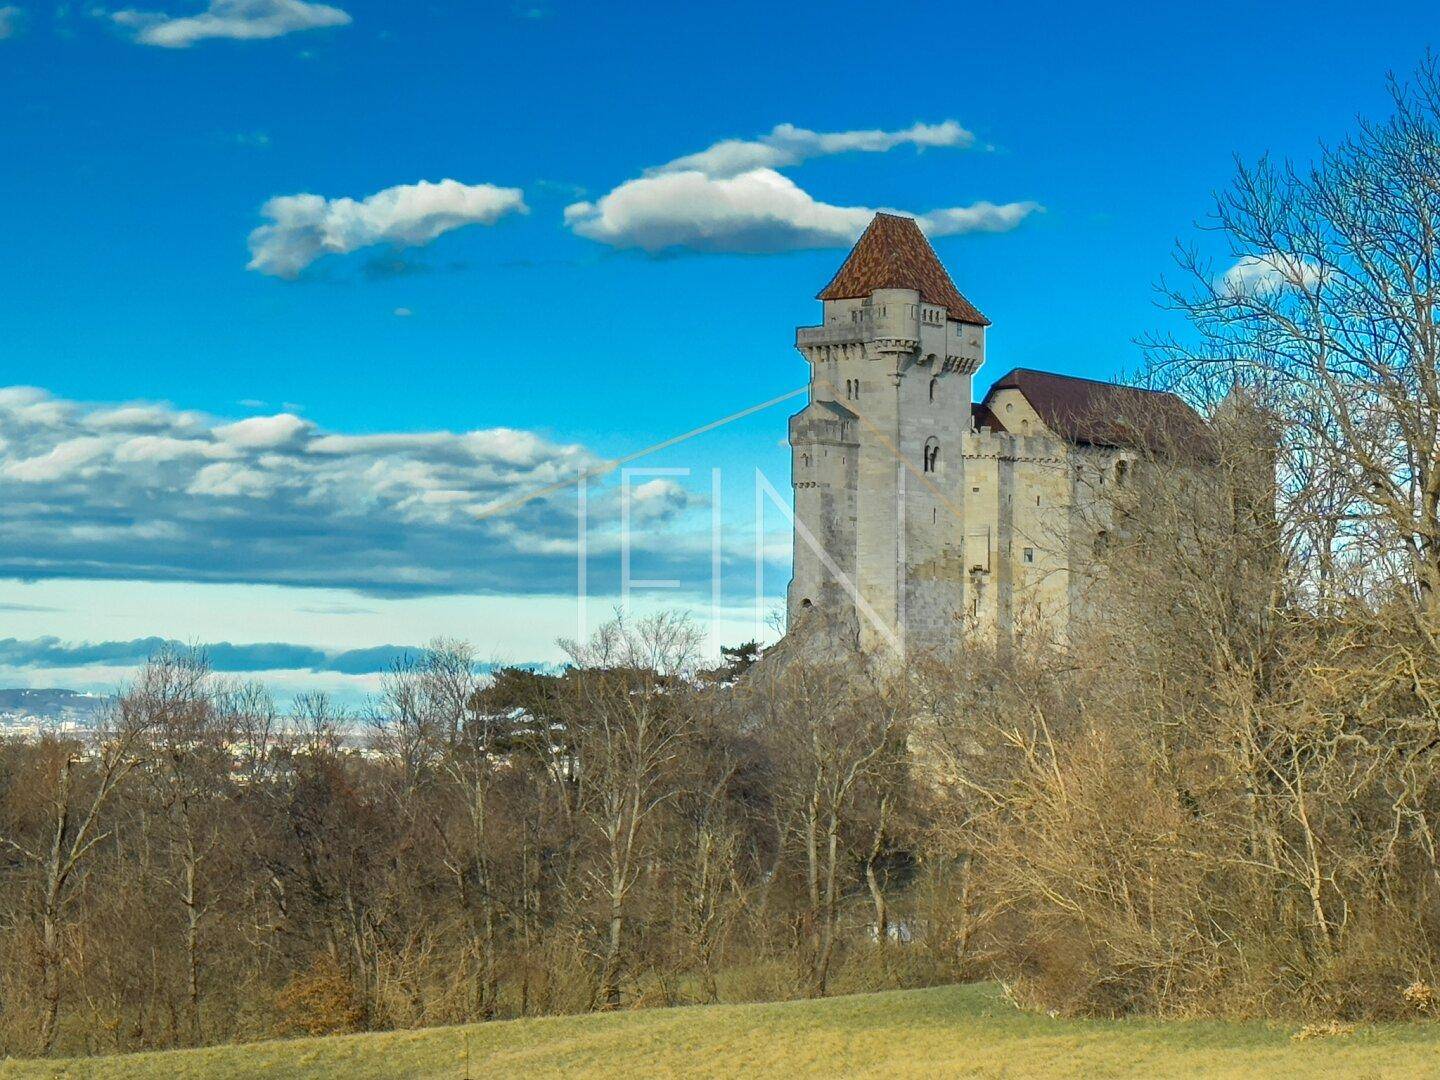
894 254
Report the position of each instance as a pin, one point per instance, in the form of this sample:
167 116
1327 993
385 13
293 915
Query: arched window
934 388
805 460
932 454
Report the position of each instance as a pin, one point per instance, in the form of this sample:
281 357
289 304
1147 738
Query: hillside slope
947 1031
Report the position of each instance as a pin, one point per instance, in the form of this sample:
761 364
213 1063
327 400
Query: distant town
31 713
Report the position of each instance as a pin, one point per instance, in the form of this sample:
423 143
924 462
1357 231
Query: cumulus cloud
67 458
158 448
229 478
731 197
1265 275
755 211
31 407
142 417
148 492
265 432
242 20
790 145
12 19
305 227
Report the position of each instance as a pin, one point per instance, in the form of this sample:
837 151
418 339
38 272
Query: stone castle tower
919 513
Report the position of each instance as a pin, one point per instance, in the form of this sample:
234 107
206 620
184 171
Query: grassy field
947 1031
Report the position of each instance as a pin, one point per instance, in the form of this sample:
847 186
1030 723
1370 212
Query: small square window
1030 555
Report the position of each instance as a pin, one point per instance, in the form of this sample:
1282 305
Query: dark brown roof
1106 414
984 417
893 253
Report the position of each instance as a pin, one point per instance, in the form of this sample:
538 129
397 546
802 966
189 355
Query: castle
920 514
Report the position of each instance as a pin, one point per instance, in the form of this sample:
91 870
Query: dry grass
947 1031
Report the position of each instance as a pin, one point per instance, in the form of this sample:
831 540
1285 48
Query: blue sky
141 149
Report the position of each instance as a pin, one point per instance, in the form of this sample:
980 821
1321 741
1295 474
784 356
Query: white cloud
399 442
790 145
58 462
144 417
265 432
403 312
147 492
12 18
1265 275
159 448
731 198
755 211
228 478
31 406
305 227
657 499
243 20
978 217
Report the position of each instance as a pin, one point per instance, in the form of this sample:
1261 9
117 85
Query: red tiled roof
893 253
1106 414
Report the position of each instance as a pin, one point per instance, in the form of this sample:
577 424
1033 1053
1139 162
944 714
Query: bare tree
1328 317
188 745
432 724
832 729
74 785
626 715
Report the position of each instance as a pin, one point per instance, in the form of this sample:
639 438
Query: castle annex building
919 512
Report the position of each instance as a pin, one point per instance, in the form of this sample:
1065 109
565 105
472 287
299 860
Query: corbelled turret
893 297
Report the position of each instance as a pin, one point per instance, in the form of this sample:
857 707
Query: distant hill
56 706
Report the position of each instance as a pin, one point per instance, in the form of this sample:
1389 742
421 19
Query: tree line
624 833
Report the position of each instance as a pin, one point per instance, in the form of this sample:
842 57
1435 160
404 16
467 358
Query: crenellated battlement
1039 449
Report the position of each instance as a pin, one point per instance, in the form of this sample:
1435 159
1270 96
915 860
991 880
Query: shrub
322 1001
